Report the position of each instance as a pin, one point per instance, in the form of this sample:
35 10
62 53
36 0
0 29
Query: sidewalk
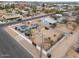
29 47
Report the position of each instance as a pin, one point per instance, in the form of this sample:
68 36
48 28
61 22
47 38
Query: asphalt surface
32 18
10 48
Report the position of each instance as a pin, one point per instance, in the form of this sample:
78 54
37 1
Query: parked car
22 28
34 26
18 19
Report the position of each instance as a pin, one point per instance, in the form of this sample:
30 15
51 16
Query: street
32 18
10 48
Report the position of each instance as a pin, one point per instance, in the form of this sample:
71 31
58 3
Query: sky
54 0
45 0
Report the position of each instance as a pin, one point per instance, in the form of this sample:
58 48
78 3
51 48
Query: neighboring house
53 20
12 16
47 20
58 17
39 8
67 14
24 12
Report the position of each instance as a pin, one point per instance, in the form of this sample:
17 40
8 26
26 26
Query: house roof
50 20
59 15
10 16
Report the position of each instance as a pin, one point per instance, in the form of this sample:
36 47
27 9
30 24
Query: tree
34 8
19 12
50 41
53 25
29 33
12 6
1 7
43 5
26 9
7 6
59 12
8 11
65 21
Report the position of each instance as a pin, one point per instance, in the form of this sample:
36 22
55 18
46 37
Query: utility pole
41 46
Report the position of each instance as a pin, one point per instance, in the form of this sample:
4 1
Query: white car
22 28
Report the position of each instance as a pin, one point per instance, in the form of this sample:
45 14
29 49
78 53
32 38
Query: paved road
10 48
32 18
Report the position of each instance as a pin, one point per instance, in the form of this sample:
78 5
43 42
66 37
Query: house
67 14
58 17
24 13
39 8
48 20
11 16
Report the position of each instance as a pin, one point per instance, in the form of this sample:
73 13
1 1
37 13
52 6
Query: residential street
10 48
